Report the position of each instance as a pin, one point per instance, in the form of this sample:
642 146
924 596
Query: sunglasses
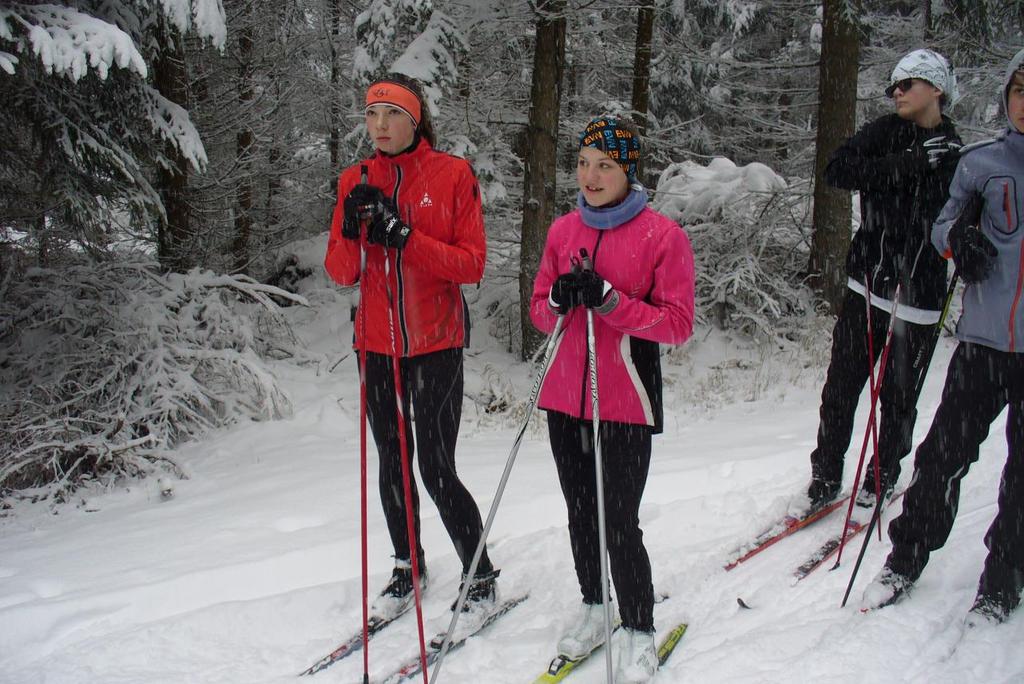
903 86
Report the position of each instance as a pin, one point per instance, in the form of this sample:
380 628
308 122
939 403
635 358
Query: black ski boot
821 493
398 595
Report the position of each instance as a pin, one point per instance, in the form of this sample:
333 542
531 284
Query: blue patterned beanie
616 137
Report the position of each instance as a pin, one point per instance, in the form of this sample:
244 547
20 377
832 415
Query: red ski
831 546
780 530
353 644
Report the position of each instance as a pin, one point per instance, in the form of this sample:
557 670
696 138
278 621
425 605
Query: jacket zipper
399 281
1020 272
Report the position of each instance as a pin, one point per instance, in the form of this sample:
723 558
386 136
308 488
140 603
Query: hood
1015 64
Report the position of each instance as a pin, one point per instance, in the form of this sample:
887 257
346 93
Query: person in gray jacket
980 228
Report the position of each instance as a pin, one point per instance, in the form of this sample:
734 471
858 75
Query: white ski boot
585 632
636 656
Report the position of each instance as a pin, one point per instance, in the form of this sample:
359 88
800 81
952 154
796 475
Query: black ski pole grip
366 210
588 265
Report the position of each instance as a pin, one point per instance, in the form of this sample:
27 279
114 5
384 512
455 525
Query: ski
826 551
831 546
561 667
780 530
350 646
669 642
413 665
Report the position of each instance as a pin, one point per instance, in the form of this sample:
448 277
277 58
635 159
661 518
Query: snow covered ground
250 572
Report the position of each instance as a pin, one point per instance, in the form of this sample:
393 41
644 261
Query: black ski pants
848 372
626 456
980 383
432 387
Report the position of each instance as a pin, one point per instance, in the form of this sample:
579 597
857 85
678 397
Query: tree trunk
541 156
837 103
642 62
43 250
642 69
174 232
244 140
334 145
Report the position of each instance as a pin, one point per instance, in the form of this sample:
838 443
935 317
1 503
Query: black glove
973 253
565 293
386 229
360 205
941 152
593 289
932 154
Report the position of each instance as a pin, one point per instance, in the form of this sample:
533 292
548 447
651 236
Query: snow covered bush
747 230
105 367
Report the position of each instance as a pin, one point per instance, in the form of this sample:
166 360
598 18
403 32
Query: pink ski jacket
649 262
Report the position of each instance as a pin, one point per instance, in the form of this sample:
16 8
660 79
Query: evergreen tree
83 123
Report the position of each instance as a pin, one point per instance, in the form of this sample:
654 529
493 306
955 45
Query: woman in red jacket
640 290
416 215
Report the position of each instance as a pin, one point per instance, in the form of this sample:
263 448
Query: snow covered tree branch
69 42
81 118
748 244
107 367
384 32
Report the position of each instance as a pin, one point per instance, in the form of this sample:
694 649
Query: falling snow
249 570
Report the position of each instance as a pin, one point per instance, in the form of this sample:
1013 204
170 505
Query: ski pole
926 357
403 445
549 348
362 447
876 390
362 468
599 478
970 215
873 423
602 539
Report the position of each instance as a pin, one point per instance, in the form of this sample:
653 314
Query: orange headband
394 95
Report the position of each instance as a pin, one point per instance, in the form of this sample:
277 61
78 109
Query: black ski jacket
900 198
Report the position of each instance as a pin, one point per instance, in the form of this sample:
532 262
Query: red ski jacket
437 195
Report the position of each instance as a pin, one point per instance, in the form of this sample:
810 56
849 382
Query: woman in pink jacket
640 289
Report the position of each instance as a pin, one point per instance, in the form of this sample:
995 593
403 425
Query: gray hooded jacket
993 310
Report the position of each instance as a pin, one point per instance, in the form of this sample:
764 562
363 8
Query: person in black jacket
901 164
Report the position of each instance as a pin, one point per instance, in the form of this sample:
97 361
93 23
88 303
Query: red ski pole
873 422
362 446
406 471
875 390
923 362
362 468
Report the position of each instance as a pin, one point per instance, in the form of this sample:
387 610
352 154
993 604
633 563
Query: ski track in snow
251 571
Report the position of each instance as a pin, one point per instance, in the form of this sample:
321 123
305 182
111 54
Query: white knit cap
927 65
